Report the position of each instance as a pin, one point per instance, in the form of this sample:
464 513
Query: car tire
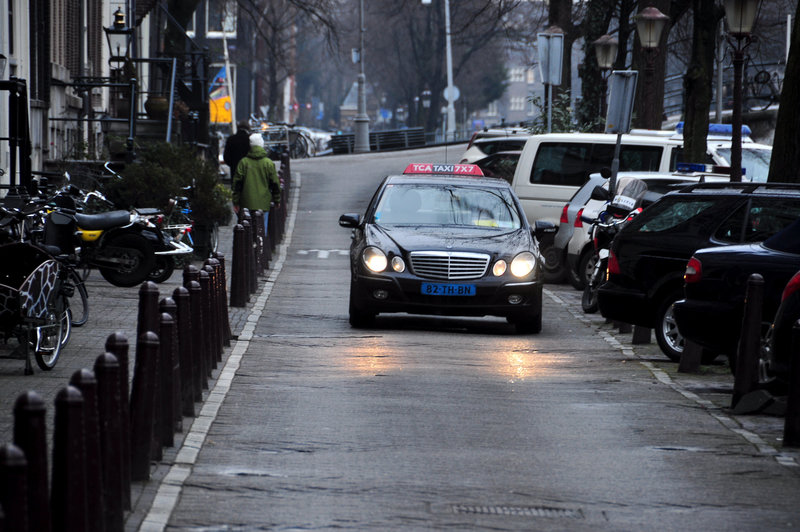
529 322
666 330
553 270
359 318
585 267
574 278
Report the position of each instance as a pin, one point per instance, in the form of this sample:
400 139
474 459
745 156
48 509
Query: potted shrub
161 173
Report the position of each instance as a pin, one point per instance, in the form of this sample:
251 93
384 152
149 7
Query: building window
517 103
529 75
492 109
221 18
517 75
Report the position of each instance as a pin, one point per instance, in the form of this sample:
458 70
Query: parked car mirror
349 220
605 172
599 193
542 227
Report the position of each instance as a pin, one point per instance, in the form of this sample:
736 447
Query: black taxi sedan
443 239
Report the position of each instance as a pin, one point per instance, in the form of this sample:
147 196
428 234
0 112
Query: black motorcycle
621 209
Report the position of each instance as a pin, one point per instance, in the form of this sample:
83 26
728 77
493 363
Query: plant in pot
161 173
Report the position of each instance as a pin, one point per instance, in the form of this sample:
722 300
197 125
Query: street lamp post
119 36
740 15
451 94
606 49
362 118
650 24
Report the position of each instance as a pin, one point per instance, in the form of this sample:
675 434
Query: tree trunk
651 64
785 163
591 109
698 80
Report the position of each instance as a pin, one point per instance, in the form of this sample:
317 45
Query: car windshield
755 162
447 205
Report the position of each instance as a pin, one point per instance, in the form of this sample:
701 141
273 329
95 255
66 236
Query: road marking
324 253
663 377
170 488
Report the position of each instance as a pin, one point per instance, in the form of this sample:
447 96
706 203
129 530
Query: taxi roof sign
446 169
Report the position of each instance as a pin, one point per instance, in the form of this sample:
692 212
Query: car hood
429 238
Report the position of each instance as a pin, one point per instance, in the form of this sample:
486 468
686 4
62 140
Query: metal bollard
214 313
219 302
168 305
143 405
190 273
198 352
250 269
117 345
691 358
148 308
226 323
84 380
258 241
68 487
791 427
239 296
641 335
208 325
184 326
746 361
272 226
14 489
30 435
166 357
106 370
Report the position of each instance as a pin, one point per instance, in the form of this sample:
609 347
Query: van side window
571 163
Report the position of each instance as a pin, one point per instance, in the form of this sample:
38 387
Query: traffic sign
456 94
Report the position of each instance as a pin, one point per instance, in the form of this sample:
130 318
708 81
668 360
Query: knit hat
257 140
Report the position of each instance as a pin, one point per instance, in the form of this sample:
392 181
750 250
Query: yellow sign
219 100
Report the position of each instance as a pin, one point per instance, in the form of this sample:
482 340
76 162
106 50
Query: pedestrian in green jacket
255 182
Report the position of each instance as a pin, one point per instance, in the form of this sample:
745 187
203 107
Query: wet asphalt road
445 423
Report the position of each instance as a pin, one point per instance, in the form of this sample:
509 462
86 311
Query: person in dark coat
237 146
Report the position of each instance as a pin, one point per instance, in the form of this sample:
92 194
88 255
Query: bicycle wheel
214 238
50 337
78 304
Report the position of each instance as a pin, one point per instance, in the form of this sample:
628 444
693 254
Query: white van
553 166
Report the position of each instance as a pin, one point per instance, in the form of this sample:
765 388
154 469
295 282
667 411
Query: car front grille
449 265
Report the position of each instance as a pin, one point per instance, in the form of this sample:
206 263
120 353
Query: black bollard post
198 352
84 380
641 335
216 336
219 303
239 296
169 306
142 404
117 345
208 326
166 358
272 226
226 323
190 273
250 269
791 427
746 362
184 326
14 489
106 370
68 488
148 308
258 229
30 435
691 358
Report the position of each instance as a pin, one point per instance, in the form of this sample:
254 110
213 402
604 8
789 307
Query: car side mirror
350 220
599 193
605 172
542 227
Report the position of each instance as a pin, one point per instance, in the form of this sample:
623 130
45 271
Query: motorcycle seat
104 220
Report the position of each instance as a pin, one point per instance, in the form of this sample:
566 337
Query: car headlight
499 268
398 264
523 264
375 259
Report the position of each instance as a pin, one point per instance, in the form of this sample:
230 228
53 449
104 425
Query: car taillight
613 264
564 218
578 222
694 271
792 286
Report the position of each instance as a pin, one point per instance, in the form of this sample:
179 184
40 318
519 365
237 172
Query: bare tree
785 163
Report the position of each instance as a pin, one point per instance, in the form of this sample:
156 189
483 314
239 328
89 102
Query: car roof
761 189
444 179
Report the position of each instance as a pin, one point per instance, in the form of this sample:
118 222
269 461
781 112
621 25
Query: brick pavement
111 309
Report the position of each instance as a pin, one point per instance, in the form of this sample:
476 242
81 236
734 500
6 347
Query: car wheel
586 267
359 318
553 270
529 322
669 339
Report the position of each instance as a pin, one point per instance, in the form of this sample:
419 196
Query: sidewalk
111 309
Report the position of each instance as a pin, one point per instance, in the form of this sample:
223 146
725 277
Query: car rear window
670 213
493 146
570 163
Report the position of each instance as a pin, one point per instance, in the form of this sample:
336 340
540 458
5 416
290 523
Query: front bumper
403 294
625 305
711 324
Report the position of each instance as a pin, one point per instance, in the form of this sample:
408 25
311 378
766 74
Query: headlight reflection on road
521 364
375 359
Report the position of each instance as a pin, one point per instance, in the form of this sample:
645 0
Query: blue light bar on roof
724 130
687 168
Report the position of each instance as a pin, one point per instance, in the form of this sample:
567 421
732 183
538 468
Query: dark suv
648 257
